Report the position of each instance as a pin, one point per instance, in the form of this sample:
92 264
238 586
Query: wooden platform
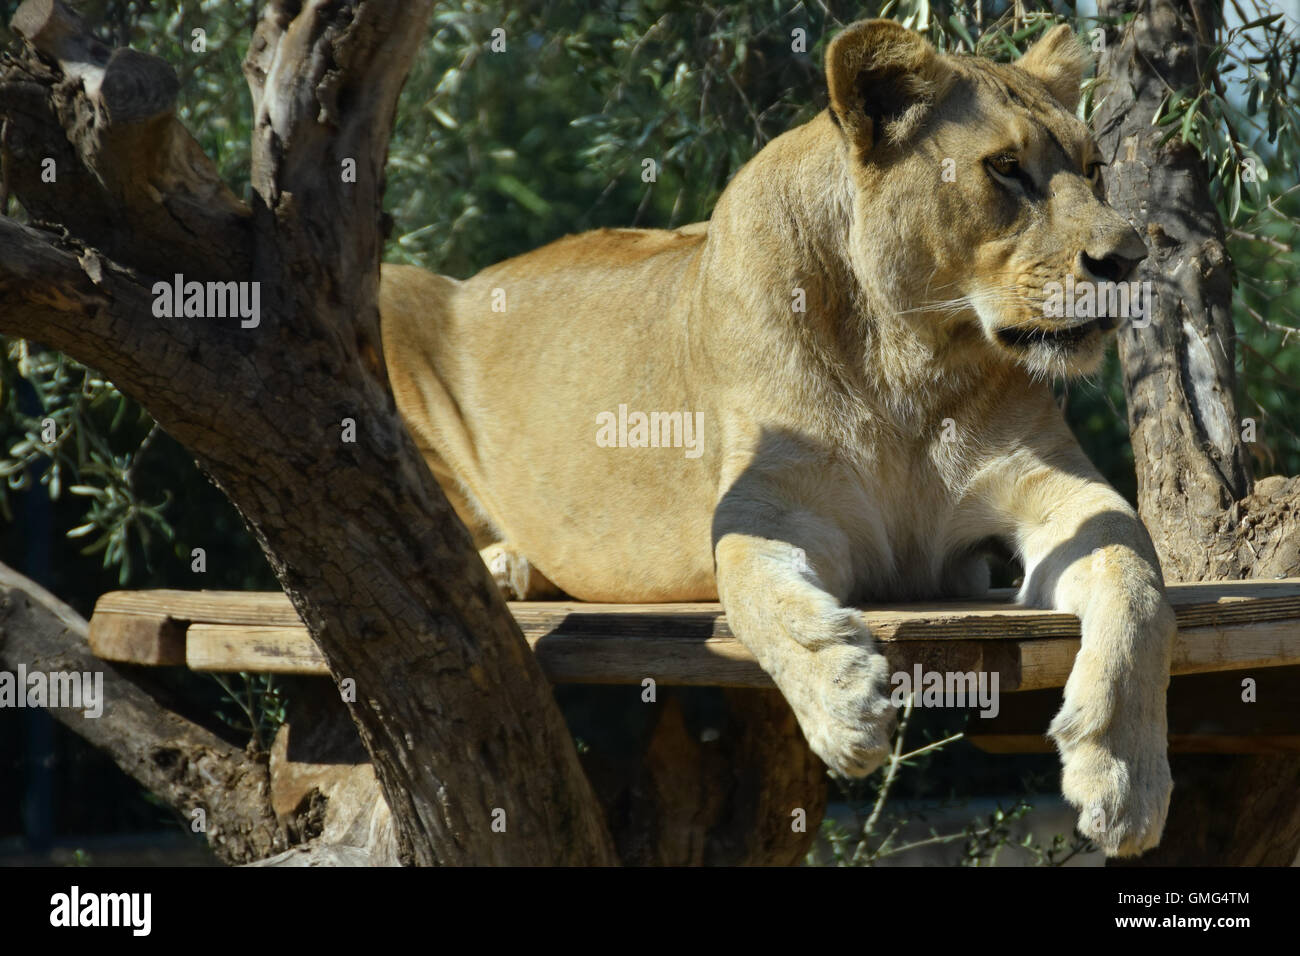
1206 712
1221 627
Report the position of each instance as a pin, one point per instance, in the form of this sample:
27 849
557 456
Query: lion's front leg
1096 561
775 583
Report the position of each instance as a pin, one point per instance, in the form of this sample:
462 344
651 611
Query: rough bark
1178 372
450 703
724 797
323 787
713 779
167 210
182 763
1194 489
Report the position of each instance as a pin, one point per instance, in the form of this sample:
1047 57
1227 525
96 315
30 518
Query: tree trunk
472 753
1194 488
740 788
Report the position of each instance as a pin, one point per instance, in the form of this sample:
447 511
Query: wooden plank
1208 713
564 657
568 657
572 652
1195 605
215 607
1222 627
580 657
1198 650
575 658
137 638
1178 743
229 648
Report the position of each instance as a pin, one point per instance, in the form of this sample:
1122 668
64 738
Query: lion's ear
882 77
1058 60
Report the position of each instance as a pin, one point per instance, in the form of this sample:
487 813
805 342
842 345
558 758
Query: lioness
865 447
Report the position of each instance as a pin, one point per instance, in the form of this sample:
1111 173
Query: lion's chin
1055 351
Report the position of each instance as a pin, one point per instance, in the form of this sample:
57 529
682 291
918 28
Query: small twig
934 840
890 773
931 746
4 168
253 719
1286 330
139 453
1268 240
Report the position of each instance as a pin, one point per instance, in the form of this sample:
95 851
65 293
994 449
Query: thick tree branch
68 296
124 169
1179 371
180 762
325 83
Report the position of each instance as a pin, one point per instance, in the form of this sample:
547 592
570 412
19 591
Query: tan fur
825 478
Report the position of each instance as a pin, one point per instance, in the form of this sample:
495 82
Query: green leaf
517 191
99 544
1173 115
1189 118
446 119
1262 21
120 414
1160 110
960 29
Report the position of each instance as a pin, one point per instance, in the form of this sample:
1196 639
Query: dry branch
182 763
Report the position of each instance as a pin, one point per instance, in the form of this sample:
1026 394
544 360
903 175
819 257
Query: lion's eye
1004 164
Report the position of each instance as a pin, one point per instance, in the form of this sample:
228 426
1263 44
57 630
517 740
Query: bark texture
1194 486
452 707
716 792
182 763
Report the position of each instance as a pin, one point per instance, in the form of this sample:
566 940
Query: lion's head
977 194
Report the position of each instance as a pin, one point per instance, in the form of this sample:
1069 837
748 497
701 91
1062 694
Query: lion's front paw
1120 783
841 700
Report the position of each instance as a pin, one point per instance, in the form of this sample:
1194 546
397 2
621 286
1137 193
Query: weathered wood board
1250 711
1222 626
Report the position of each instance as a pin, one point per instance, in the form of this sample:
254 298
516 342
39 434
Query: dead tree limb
184 764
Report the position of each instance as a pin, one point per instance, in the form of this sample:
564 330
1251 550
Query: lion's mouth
1029 336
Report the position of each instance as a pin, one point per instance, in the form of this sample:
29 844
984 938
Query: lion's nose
1113 258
